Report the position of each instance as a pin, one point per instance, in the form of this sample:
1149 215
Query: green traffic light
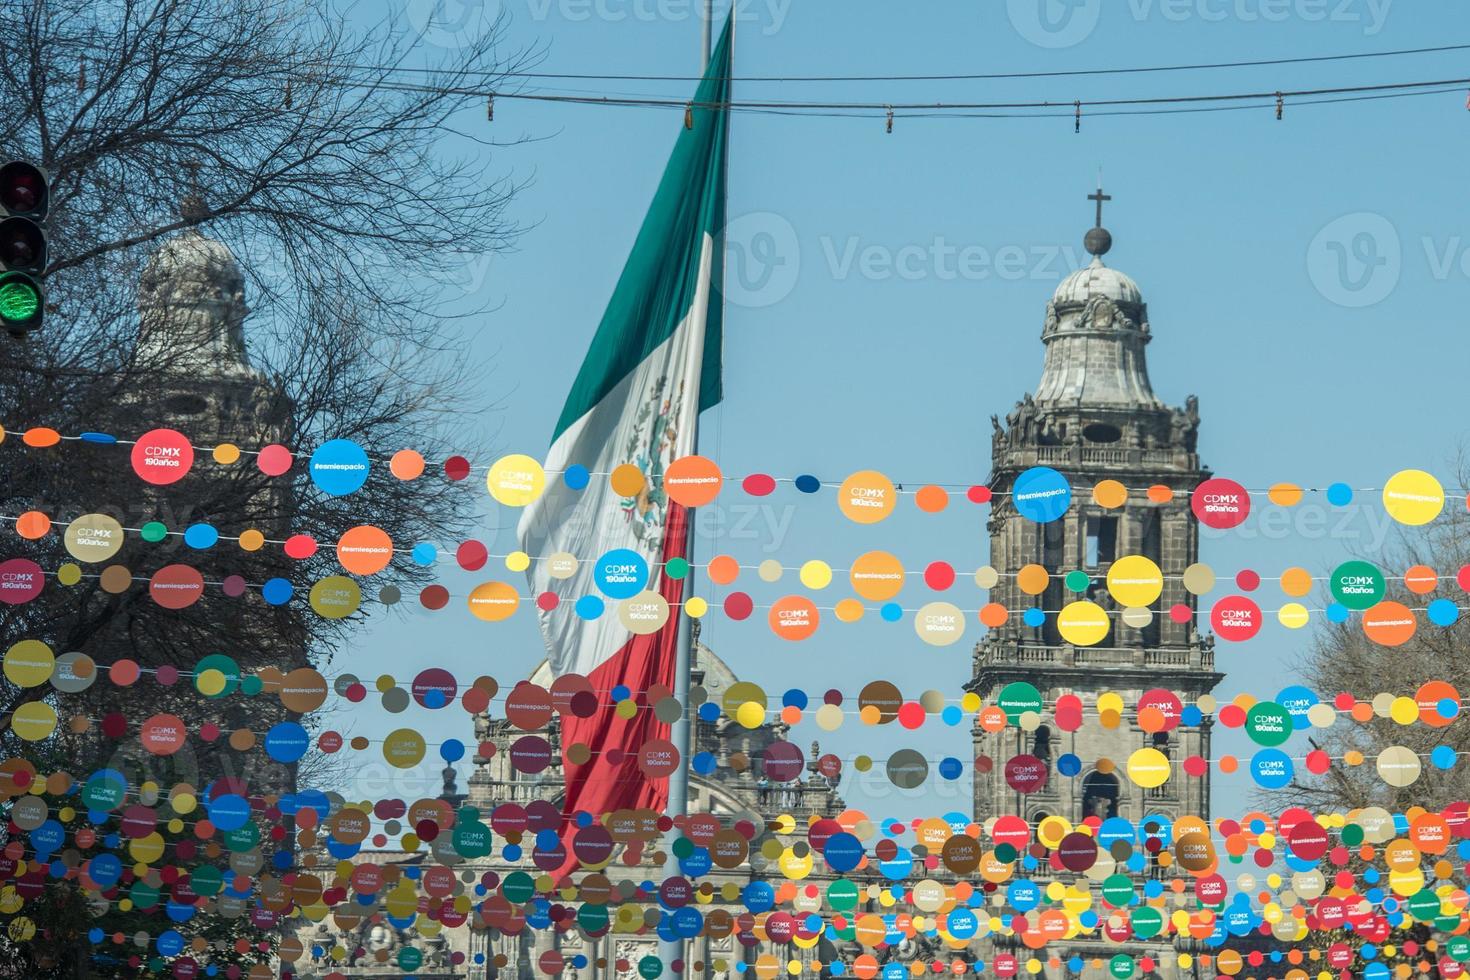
20 301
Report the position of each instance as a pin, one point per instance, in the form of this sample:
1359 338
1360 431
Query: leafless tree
1342 659
323 155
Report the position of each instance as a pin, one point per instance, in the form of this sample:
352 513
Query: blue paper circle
576 477
621 573
286 742
807 483
1337 612
891 612
277 591
1271 768
843 852
589 607
1033 617
228 812
201 536
1041 494
424 553
1443 757
1339 495
1443 612
338 467
950 768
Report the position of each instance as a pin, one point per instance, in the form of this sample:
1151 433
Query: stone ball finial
1097 241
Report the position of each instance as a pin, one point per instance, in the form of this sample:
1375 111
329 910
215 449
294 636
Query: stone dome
191 301
1097 280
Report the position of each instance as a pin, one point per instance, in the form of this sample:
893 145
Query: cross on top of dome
1097 241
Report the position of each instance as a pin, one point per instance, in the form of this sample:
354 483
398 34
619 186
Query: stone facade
739 793
1095 417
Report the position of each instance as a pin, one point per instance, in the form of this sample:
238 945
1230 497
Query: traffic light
24 200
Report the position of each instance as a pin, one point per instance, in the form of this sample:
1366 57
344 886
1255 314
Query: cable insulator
1280 104
689 116
490 108
888 126
288 100
1077 118
82 75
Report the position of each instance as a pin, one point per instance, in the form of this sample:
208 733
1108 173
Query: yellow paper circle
848 611
33 721
1413 497
251 540
29 663
696 606
1149 767
1083 623
69 574
751 714
226 453
335 597
210 682
515 480
1404 710
1135 580
1293 615
816 574
404 748
517 561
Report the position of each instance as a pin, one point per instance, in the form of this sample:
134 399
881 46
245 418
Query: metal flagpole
679 732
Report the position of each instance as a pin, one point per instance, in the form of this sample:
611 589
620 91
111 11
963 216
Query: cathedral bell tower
1094 417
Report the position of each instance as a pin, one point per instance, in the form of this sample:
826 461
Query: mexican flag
653 366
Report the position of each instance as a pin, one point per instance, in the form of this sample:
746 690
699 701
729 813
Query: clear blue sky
1225 219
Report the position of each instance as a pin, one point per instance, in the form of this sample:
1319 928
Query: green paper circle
676 568
153 532
1077 580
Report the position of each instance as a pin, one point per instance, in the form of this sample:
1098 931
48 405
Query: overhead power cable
983 76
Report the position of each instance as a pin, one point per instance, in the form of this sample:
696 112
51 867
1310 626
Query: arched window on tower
1041 743
1100 795
1161 742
